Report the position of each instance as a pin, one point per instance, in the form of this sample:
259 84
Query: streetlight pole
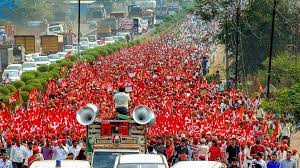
78 35
237 42
271 47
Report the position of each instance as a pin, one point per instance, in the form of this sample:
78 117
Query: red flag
15 97
69 54
33 94
260 87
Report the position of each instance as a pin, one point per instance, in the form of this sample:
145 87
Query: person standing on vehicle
47 150
121 101
60 152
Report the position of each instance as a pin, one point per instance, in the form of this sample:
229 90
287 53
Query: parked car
141 160
119 38
15 67
9 76
197 164
84 41
68 48
84 47
63 164
28 58
62 55
29 66
42 60
109 40
53 58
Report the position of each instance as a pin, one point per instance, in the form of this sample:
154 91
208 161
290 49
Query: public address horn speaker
87 115
144 115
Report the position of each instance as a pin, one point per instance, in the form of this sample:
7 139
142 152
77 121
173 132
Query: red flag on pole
33 94
69 54
15 97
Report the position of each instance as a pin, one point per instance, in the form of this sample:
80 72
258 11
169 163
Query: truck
52 44
104 31
18 54
125 24
28 42
149 15
6 57
144 25
134 11
118 14
110 138
137 26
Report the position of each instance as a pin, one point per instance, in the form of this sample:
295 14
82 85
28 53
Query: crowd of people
195 119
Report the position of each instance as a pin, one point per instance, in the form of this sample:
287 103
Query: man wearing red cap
281 153
295 156
60 151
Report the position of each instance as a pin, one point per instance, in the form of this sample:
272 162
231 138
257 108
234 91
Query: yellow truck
52 44
27 41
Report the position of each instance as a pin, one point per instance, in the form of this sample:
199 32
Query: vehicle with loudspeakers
118 136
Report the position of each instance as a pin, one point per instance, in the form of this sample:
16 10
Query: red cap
202 156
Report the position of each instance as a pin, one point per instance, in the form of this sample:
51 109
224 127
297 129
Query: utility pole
78 35
271 47
237 41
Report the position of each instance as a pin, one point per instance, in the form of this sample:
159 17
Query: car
53 58
28 58
9 76
107 157
84 41
68 48
197 164
109 40
84 47
62 55
29 66
64 164
41 60
15 67
75 49
119 38
141 160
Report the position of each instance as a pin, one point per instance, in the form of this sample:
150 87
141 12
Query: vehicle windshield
29 65
13 67
109 38
107 159
68 47
11 74
41 59
54 29
53 56
142 165
84 47
92 39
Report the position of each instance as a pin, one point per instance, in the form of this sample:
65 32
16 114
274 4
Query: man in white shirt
75 149
4 162
60 152
121 101
203 149
28 153
17 155
258 160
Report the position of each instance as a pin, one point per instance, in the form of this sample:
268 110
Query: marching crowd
196 120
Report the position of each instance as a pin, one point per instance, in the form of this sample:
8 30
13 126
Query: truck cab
110 138
55 29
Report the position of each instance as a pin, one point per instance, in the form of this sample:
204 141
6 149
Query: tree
254 28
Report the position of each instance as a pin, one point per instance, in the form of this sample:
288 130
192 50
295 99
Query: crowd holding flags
162 74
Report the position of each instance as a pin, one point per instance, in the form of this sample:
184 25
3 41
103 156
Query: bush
44 75
54 74
33 81
89 58
28 76
53 66
10 87
43 68
4 90
25 96
27 88
35 85
18 84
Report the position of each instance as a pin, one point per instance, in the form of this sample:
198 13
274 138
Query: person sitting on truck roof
121 101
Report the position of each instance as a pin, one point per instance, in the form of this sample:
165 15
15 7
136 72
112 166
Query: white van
141 160
64 164
197 164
